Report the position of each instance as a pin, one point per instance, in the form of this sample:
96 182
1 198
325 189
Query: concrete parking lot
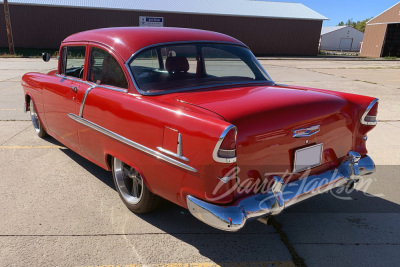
58 209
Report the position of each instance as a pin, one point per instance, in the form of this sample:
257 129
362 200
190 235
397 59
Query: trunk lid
266 117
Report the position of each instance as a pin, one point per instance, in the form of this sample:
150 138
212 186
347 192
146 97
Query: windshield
172 68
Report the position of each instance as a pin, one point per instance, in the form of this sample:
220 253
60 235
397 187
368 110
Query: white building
341 38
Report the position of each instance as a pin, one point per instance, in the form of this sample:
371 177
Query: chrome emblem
306 131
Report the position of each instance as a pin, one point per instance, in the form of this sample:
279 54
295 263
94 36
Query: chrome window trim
217 146
130 143
63 62
370 106
74 79
190 88
269 83
122 90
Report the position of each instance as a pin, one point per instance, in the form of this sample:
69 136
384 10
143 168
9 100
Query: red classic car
191 116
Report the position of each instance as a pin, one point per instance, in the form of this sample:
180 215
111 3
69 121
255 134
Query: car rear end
285 154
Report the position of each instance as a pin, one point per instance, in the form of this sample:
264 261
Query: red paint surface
265 117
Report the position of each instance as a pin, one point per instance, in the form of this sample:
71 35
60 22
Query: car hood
283 105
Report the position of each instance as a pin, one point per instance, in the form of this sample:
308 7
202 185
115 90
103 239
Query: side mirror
46 56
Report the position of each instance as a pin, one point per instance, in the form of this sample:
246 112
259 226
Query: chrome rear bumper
233 218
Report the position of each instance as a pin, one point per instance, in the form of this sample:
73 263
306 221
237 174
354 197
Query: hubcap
129 182
34 117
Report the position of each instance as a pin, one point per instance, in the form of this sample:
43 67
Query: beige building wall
375 32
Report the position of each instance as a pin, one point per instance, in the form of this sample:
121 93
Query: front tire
37 125
132 189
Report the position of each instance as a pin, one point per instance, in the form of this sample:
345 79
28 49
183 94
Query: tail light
369 116
225 149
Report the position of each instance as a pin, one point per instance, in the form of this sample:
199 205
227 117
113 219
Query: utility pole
8 25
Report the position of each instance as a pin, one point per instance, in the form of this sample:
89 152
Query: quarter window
220 63
104 69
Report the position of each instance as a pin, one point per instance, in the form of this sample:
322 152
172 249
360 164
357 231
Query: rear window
172 68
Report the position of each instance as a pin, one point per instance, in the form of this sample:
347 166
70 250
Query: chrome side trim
179 152
217 146
92 86
224 179
279 197
172 154
84 100
130 143
369 120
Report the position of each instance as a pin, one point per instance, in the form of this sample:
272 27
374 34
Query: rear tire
37 125
132 189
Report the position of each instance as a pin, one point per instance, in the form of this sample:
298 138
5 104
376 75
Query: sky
342 10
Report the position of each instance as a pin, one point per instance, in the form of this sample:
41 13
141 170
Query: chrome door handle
74 88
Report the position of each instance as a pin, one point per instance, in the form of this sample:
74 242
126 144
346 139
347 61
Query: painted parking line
205 264
32 147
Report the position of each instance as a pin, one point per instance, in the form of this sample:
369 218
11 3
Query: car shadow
95 170
257 242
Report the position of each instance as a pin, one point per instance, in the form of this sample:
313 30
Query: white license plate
307 157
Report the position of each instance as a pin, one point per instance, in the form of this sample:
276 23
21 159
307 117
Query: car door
100 105
60 97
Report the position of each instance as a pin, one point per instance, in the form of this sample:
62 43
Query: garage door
392 41
345 44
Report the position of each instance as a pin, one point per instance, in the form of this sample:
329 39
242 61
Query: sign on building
151 21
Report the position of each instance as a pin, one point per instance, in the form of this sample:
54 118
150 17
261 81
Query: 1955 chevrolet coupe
191 116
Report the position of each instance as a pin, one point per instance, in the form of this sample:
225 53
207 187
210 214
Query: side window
104 69
73 61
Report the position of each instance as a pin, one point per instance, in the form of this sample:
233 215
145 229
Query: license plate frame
307 157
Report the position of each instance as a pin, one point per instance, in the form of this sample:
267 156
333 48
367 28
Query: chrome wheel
34 117
128 181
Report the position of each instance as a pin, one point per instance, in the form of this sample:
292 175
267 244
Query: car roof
127 40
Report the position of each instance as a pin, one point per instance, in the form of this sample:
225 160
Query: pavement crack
14 135
297 260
